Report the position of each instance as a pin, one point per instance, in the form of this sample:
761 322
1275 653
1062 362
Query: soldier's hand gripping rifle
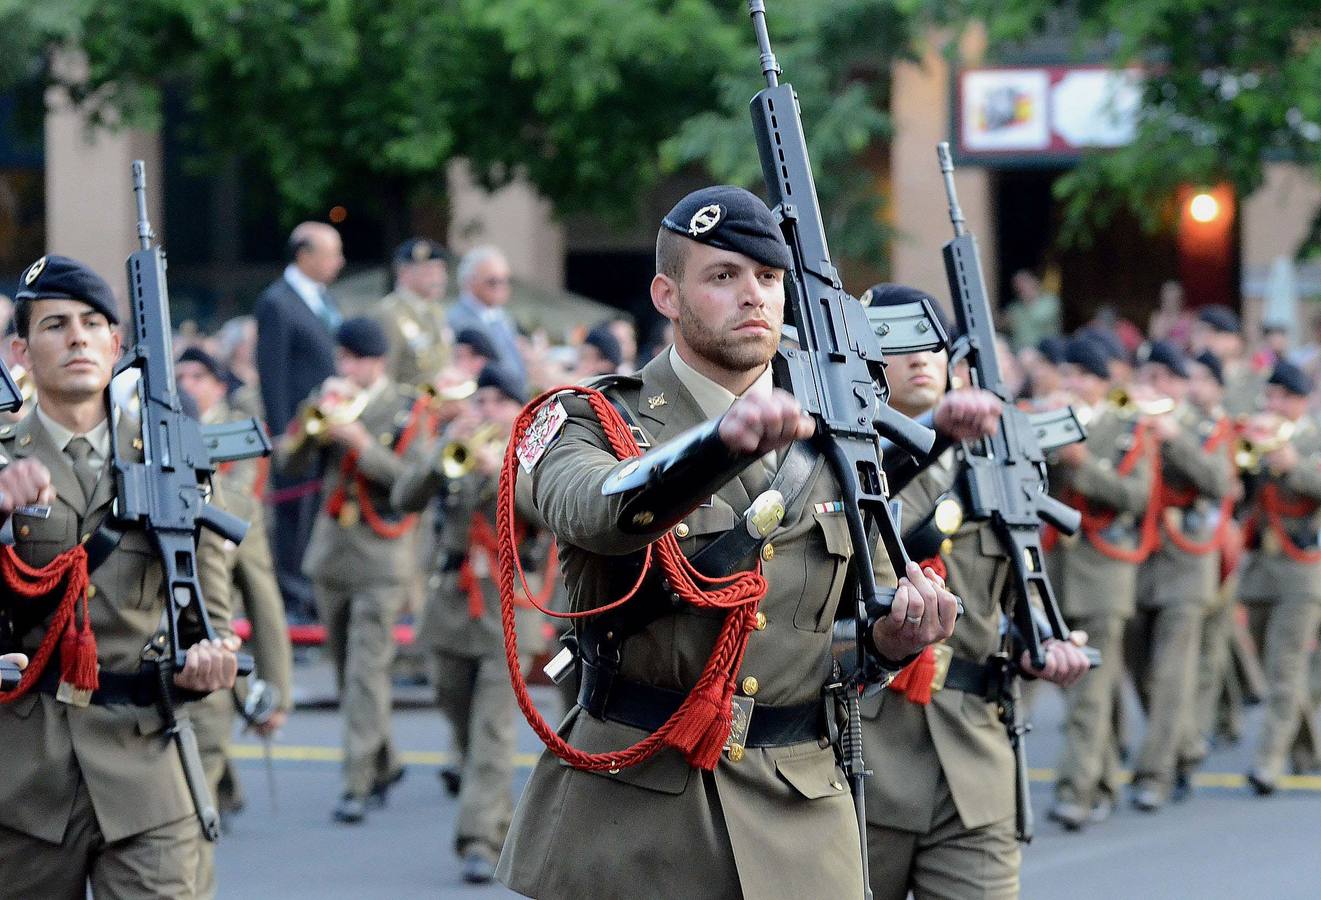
1003 477
167 493
837 373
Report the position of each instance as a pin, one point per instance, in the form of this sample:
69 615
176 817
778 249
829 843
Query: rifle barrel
947 170
769 67
140 196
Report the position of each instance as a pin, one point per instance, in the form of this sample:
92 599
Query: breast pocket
131 576
825 560
38 541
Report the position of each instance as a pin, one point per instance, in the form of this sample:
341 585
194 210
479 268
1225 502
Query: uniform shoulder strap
617 388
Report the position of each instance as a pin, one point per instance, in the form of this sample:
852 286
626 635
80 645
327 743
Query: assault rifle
167 494
1003 478
837 373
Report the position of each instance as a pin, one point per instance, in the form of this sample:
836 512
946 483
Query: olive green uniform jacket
351 553
957 736
777 823
419 338
120 752
1268 573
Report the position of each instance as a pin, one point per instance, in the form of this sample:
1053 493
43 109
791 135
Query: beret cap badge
705 219
34 271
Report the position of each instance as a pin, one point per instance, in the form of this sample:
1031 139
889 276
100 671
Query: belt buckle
740 722
944 655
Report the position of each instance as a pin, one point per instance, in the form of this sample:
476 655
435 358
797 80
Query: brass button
24 530
386 439
137 443
25 440
735 752
750 685
681 530
91 591
768 552
761 621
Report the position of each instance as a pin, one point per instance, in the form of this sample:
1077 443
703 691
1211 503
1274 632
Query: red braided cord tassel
700 726
914 680
27 582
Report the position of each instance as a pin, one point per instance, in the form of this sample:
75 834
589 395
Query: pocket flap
23 706
835 528
814 775
667 772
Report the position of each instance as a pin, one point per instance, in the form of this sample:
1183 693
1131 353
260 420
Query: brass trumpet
1249 453
450 393
1127 404
331 408
459 456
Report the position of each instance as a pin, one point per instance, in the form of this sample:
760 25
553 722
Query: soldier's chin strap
701 725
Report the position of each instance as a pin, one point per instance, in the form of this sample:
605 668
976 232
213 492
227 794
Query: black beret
1221 318
1087 353
1212 362
209 362
480 343
606 344
495 376
1291 378
730 218
60 278
362 336
1169 356
1052 348
1109 342
881 295
418 250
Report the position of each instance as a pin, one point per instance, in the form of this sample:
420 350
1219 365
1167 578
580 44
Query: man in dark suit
296 317
484 290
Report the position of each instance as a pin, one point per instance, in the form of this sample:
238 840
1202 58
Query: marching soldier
1281 583
252 574
942 824
413 314
92 791
1108 478
769 815
358 558
462 621
1179 580
1218 330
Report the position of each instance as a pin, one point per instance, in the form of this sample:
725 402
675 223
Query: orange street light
1203 208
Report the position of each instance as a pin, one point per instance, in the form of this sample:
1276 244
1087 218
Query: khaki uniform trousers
1089 767
1213 677
1284 629
1161 649
161 862
949 861
360 639
477 698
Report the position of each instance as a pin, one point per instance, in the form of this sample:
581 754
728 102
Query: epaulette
606 383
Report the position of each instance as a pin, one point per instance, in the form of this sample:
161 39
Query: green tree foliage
593 100
1230 86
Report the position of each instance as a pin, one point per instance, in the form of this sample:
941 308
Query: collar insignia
658 400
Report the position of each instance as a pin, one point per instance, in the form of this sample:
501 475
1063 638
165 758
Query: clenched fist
757 425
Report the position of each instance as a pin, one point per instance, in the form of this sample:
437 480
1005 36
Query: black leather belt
647 707
138 689
970 677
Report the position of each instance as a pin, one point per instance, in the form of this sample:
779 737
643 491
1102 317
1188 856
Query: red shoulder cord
1172 498
481 538
77 645
1096 521
348 470
914 680
700 726
1276 509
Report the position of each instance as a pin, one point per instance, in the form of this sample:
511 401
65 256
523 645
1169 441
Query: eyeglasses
495 282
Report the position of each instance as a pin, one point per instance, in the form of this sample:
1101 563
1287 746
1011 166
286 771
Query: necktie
79 449
329 311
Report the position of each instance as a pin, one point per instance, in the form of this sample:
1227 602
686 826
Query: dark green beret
362 336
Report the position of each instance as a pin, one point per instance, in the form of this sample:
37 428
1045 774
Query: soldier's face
425 279
1083 384
491 405
198 382
1284 403
1203 388
917 380
491 281
727 308
1164 382
363 371
70 350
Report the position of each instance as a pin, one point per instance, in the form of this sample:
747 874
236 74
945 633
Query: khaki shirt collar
714 399
98 437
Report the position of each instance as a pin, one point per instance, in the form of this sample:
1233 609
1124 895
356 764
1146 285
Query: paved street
1224 843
